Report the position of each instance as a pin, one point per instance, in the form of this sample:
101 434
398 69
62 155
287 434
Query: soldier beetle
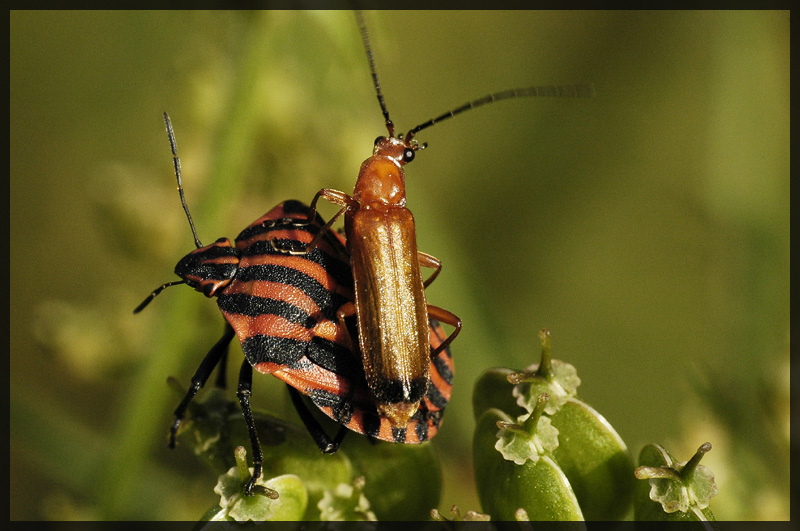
389 294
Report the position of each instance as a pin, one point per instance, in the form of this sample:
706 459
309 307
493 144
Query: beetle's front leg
334 196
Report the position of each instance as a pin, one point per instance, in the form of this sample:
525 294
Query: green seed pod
672 491
590 452
595 459
538 485
492 389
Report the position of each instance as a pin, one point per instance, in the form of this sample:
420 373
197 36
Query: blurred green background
647 227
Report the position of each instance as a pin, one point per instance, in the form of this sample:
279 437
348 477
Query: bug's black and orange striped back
283 309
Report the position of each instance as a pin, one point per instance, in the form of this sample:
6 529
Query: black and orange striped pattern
283 308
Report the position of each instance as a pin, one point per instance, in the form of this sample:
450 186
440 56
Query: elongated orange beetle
390 305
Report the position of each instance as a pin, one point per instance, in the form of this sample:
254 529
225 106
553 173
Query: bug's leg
222 367
244 391
217 353
446 317
326 445
426 260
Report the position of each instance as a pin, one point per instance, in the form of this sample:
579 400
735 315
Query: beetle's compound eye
408 155
380 138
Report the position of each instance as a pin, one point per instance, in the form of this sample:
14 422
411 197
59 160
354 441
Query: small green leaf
235 505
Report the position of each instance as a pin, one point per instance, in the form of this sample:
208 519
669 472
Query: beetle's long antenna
177 163
555 91
365 39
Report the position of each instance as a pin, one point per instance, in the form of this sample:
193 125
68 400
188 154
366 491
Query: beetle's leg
244 391
217 353
334 196
427 260
326 445
447 317
346 310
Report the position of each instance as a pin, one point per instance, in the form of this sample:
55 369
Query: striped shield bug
389 302
283 308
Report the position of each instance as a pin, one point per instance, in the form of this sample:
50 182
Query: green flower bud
673 491
554 377
538 485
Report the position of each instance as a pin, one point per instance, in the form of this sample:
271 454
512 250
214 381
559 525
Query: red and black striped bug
389 293
283 310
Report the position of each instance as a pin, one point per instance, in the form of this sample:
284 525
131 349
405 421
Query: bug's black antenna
177 163
155 293
365 39
555 91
